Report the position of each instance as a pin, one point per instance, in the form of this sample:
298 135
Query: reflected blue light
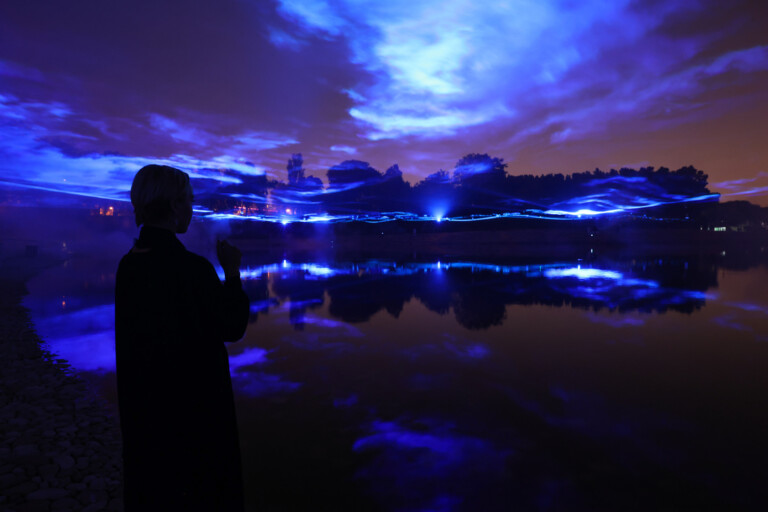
756 308
599 287
345 402
330 324
262 305
549 270
474 351
248 357
729 321
613 321
302 303
405 458
258 383
318 270
311 269
583 273
85 338
389 433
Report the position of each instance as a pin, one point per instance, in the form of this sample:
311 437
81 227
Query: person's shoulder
129 264
127 259
197 261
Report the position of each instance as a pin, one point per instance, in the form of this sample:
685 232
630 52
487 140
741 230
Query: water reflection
477 294
467 385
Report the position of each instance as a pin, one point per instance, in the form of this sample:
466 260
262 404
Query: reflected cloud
256 384
425 462
473 351
746 306
348 401
323 342
622 321
730 322
248 357
249 379
327 323
463 349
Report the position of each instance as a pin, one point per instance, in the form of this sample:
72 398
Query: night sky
92 90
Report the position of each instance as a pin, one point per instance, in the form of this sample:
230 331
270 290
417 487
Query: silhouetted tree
295 169
352 172
299 195
391 192
351 185
479 180
478 184
479 168
435 194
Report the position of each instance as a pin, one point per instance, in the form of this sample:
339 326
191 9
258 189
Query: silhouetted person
172 317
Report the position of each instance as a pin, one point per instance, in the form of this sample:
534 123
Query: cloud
532 67
344 149
13 70
282 39
745 187
443 69
207 141
47 146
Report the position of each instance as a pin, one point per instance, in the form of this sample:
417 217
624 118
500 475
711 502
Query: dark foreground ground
59 444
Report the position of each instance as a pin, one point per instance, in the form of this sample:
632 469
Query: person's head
162 197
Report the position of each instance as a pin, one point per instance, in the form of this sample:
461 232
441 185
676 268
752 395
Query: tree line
478 184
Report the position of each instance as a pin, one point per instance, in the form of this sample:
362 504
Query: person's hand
229 258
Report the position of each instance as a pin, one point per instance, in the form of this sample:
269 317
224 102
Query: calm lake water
478 385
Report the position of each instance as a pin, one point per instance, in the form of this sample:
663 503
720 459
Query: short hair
155 190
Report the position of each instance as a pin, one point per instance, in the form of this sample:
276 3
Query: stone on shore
59 446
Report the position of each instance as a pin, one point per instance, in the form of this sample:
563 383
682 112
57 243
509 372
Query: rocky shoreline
59 444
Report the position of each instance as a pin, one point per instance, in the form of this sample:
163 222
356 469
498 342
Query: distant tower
295 169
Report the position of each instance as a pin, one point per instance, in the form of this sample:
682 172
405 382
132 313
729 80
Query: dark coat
177 412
